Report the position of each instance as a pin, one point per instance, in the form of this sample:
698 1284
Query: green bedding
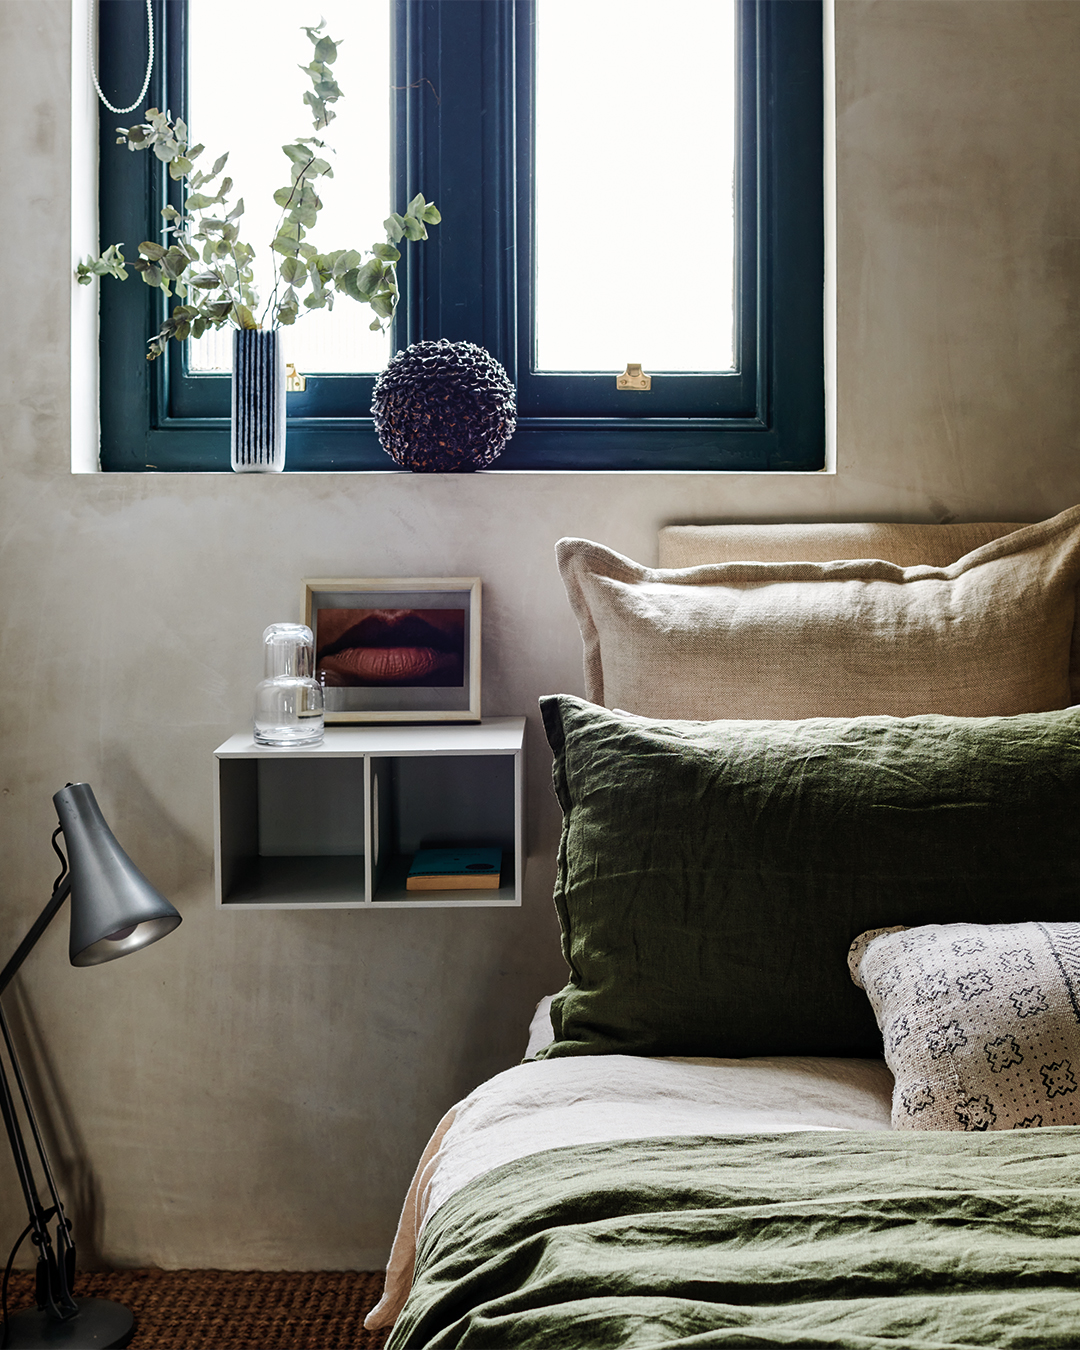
713 874
913 1242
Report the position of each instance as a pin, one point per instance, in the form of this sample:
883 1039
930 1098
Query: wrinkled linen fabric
852 1241
988 635
712 875
543 1105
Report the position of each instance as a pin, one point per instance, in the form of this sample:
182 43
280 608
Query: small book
455 869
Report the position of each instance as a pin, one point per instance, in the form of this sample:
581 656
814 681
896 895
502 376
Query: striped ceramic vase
258 402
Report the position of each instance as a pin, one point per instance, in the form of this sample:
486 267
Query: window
473 85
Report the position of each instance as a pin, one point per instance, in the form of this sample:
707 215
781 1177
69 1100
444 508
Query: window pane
245 95
635 154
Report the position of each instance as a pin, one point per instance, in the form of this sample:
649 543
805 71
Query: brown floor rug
234 1309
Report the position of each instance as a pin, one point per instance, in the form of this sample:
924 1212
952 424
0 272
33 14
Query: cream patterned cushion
990 634
981 1022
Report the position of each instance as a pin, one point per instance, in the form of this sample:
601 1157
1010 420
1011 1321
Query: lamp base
100 1325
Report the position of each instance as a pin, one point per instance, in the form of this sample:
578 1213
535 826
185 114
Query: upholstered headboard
905 545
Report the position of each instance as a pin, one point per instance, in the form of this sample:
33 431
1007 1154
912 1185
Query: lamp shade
114 909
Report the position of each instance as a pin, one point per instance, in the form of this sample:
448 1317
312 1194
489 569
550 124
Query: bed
814 1079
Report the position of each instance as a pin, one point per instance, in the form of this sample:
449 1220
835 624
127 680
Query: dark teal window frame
463 73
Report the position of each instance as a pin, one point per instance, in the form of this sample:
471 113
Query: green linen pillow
712 875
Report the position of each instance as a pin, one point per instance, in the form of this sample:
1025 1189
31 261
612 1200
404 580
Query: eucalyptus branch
224 293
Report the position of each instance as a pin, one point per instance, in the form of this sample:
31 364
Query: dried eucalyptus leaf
414 229
347 283
294 271
369 277
174 262
304 215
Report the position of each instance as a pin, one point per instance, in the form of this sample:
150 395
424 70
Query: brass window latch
633 378
294 384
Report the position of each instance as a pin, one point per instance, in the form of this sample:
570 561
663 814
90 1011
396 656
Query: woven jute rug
234 1309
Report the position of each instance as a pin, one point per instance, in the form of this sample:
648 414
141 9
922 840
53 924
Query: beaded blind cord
149 58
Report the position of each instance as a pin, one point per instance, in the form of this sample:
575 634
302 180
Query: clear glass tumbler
289 701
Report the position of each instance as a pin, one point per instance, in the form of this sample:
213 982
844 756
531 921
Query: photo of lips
396 649
391 648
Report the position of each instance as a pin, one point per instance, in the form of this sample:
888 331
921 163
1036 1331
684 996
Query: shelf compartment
391 891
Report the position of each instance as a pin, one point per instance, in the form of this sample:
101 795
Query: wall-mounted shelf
335 826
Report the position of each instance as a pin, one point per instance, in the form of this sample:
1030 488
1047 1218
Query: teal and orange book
455 869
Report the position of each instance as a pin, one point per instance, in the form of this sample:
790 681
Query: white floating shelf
335 826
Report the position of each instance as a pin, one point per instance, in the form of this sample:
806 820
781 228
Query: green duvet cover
857 1240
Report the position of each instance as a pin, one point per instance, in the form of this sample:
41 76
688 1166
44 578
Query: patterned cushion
990 634
981 1022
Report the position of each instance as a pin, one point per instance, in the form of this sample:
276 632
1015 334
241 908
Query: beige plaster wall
254 1091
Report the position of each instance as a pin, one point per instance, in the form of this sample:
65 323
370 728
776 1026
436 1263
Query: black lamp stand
59 1318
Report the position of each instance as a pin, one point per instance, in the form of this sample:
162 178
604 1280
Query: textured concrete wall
254 1091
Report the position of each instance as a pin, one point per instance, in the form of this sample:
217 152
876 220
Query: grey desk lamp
114 910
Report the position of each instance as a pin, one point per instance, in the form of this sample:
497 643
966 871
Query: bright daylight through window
635 165
620 182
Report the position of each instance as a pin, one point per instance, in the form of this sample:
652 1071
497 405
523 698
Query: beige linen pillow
981 1022
991 634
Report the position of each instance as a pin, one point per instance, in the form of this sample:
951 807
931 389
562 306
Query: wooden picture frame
396 649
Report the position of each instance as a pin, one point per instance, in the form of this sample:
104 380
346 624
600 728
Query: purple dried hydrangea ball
444 407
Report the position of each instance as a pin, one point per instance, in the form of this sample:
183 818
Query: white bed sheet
596 1098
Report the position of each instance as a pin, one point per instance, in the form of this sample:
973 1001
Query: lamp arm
54 1275
26 946
65 1248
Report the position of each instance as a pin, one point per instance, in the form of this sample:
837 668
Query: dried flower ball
444 407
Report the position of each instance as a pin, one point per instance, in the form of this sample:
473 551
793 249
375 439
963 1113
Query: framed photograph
397 649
